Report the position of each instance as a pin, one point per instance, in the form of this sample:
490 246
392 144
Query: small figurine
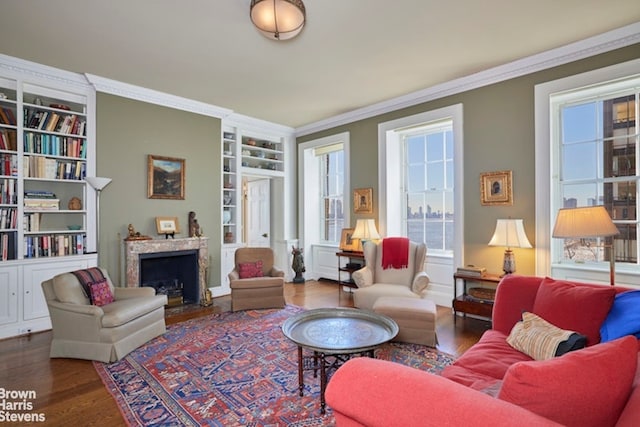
298 264
132 231
75 204
194 227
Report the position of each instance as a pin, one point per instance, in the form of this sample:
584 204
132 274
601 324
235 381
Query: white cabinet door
8 295
35 305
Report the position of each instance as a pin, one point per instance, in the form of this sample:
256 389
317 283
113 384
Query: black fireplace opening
174 274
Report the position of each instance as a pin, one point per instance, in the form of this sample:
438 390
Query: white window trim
544 160
385 162
308 186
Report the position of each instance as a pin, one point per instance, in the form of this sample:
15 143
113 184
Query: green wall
498 135
128 131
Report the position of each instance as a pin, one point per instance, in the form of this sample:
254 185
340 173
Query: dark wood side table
468 304
348 270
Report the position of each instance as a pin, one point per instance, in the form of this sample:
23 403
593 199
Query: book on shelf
472 270
42 204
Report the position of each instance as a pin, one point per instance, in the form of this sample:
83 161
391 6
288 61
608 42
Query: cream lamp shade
590 221
587 222
365 230
278 19
97 182
509 233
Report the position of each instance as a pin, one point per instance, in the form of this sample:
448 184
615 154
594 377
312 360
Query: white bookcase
47 211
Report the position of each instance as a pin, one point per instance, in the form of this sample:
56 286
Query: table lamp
509 233
587 222
365 230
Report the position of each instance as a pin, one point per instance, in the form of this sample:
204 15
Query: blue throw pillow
624 317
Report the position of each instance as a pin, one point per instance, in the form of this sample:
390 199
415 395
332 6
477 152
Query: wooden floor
69 392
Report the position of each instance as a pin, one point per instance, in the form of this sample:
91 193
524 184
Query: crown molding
114 87
21 69
591 46
256 125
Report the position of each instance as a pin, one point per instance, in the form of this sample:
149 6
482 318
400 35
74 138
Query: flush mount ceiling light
278 19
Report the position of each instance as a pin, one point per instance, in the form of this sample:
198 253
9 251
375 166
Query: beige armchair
107 333
265 289
373 281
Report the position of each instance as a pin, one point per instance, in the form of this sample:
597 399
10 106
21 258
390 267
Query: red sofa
494 384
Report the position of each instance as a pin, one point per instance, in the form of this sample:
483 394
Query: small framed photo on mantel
496 188
167 225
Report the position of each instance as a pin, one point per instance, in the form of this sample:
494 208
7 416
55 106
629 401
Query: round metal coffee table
335 335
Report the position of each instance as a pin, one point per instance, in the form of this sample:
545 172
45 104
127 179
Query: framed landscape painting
165 176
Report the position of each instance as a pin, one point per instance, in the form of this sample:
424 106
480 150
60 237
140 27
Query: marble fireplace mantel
133 249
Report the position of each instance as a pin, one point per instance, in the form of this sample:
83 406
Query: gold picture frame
496 188
165 177
167 225
363 200
348 243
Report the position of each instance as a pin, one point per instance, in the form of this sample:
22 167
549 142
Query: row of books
8 194
7 116
8 246
55 145
8 218
8 140
47 168
52 121
8 164
54 245
41 205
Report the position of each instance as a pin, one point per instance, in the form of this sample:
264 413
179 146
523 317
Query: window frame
389 161
547 163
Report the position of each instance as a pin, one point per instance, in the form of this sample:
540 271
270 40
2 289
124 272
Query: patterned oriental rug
230 369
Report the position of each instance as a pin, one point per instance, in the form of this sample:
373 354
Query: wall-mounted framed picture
348 243
165 177
496 188
363 200
167 225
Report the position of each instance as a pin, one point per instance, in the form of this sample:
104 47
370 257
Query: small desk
468 305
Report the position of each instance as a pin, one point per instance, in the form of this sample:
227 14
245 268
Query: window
596 143
428 185
587 154
418 176
331 160
323 184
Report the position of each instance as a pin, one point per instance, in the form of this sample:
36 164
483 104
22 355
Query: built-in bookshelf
47 210
264 154
230 187
41 176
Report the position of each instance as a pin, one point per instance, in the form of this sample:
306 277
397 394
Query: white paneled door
258 213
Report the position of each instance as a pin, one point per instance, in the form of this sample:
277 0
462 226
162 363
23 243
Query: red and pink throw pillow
247 270
587 387
580 308
101 293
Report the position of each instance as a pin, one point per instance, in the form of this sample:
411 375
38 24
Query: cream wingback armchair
255 282
374 281
104 333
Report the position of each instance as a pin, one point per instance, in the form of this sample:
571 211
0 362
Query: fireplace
174 274
174 266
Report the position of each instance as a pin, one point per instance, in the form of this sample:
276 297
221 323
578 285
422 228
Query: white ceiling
351 54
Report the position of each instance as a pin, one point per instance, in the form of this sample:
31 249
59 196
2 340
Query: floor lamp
98 184
586 222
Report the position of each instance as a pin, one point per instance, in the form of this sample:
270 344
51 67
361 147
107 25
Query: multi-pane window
597 149
428 185
331 160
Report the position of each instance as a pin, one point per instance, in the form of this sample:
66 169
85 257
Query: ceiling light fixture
278 19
